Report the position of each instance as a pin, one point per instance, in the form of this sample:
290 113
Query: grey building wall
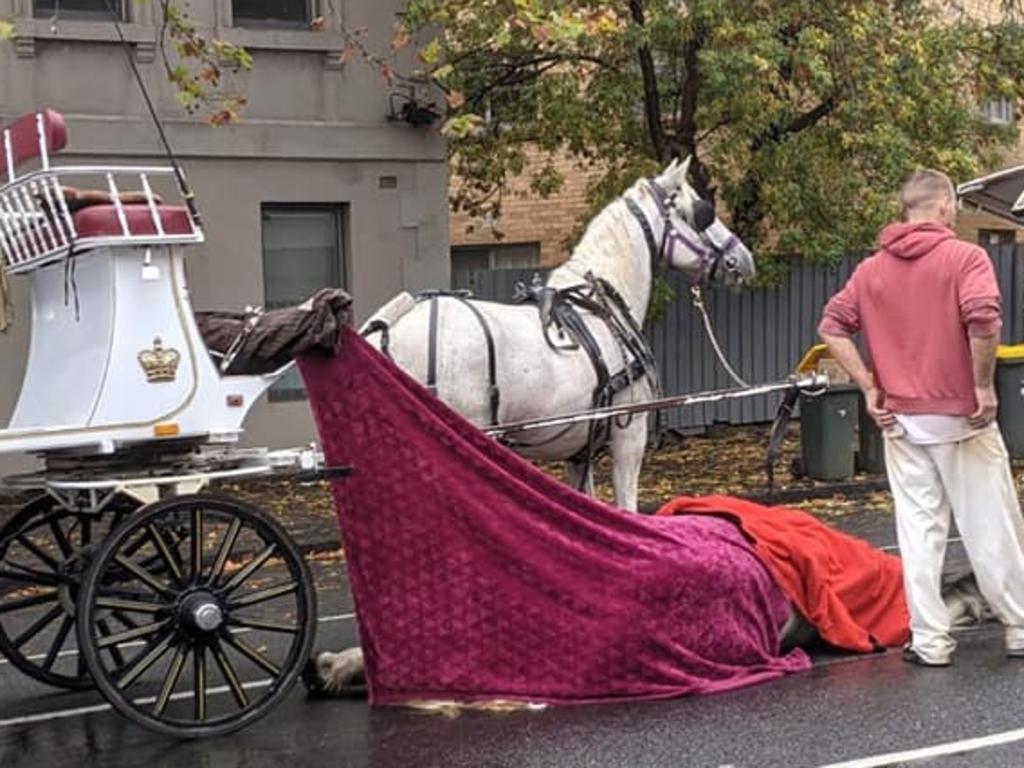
314 131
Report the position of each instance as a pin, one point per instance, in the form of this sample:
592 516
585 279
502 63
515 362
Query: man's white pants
972 479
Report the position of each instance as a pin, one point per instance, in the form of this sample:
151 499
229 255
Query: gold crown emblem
158 363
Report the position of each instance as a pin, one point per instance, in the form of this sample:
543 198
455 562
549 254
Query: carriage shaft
808 383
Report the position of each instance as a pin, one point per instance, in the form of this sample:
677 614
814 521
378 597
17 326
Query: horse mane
608 250
604 243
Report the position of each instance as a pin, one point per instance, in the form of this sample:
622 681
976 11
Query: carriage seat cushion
102 221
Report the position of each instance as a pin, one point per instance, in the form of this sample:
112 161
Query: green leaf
6 30
431 52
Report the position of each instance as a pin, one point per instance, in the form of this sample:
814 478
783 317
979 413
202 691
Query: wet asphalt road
844 709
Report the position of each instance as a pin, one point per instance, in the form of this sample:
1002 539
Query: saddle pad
476 576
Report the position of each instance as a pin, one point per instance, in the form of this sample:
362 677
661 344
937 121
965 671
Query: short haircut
925 187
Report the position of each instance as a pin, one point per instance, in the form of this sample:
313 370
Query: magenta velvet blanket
476 576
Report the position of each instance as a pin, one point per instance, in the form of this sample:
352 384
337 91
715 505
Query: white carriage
193 613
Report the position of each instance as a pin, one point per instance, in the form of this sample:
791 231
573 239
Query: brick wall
527 218
989 10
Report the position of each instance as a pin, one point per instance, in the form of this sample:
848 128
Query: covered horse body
477 577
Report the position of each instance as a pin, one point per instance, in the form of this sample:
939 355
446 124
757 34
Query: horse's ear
684 170
670 169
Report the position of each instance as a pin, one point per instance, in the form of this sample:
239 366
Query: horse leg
797 631
581 476
335 674
627 445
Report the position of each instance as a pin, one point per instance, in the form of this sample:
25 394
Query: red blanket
850 591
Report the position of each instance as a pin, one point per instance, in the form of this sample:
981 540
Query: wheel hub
201 613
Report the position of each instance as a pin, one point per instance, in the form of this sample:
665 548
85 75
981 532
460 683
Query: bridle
698 244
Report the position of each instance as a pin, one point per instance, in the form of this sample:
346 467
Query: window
302 253
498 256
997 112
272 13
491 272
90 10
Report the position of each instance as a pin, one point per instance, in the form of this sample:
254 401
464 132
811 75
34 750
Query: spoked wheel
44 552
223 616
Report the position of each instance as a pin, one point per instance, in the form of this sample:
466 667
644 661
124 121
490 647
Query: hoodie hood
912 240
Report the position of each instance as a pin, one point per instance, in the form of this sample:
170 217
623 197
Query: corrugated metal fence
763 331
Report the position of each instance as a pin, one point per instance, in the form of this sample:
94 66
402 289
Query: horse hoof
310 677
335 675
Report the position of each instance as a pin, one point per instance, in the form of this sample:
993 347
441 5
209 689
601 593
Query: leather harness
564 309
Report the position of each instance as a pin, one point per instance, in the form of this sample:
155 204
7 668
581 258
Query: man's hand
873 399
988 403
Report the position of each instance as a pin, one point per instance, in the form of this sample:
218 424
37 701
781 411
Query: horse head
693 239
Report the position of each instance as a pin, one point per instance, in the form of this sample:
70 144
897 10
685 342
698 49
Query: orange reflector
166 430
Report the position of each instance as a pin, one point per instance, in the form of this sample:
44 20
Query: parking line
137 643
939 750
62 714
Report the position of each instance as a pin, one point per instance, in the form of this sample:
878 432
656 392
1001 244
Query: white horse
656 222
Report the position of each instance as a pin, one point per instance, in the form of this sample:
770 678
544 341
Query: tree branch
800 123
686 140
652 101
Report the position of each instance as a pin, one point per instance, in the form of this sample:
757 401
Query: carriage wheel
221 629
44 551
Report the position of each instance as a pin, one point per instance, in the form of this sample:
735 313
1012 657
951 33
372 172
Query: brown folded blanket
257 343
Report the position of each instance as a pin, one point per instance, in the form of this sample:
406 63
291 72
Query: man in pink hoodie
928 307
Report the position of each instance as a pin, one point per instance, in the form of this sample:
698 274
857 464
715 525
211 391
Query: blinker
703 215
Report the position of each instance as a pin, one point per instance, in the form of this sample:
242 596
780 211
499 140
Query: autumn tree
801 115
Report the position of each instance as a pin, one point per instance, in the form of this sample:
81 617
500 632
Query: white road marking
938 750
62 714
137 643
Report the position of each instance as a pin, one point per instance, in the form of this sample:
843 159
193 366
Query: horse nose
741 264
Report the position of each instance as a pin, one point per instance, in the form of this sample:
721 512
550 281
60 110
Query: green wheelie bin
870 443
828 432
837 437
1010 391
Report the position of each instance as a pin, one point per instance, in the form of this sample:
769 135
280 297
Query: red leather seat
102 220
25 138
